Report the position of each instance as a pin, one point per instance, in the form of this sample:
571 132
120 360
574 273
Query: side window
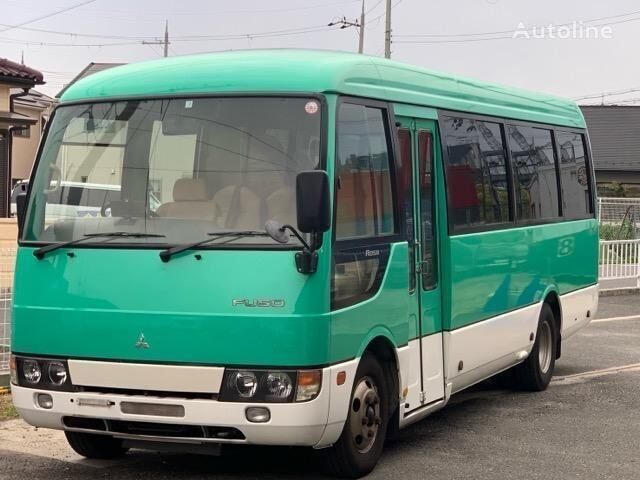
534 171
405 192
574 175
477 180
427 220
364 196
364 204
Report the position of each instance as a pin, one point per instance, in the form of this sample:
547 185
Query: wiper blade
166 255
41 252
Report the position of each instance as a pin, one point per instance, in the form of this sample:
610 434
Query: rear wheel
535 373
360 446
100 447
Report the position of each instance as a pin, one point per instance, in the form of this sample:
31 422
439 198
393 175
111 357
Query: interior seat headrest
190 190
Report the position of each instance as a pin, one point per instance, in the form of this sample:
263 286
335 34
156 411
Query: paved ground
585 426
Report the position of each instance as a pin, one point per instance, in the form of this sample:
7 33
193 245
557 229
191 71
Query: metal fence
7 261
620 259
619 218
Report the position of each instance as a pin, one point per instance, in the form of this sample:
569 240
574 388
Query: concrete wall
8 233
4 98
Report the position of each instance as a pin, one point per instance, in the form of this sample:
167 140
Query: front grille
168 430
150 393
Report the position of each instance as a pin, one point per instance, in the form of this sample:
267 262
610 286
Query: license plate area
152 409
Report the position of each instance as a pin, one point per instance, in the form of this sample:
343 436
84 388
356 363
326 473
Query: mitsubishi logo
142 342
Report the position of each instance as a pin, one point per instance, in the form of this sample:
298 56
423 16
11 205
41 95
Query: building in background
16 80
615 141
37 106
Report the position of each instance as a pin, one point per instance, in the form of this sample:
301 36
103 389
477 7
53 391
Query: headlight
31 371
57 373
278 386
245 384
270 386
51 374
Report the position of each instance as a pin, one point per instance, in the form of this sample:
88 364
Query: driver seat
190 201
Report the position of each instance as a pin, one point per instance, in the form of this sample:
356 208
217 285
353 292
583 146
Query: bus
338 244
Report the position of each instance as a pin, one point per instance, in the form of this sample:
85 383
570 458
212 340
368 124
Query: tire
535 373
356 453
100 447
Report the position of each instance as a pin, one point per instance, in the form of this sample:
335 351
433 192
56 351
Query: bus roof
298 71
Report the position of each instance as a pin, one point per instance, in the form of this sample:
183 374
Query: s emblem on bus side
243 302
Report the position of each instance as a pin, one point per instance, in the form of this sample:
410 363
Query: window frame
519 222
392 148
22 132
434 211
588 164
452 230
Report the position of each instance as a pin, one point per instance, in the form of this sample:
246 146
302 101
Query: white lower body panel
478 351
578 309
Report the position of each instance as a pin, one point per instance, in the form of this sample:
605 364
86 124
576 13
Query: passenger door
426 382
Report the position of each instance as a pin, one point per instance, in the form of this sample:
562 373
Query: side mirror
21 210
312 201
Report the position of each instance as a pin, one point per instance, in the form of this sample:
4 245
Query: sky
474 38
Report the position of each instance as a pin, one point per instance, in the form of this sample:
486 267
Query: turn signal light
309 382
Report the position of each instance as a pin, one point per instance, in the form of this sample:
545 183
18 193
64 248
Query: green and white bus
337 244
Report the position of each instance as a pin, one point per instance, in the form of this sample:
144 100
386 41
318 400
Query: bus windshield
179 168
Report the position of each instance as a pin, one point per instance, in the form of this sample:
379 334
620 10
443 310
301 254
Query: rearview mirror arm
307 259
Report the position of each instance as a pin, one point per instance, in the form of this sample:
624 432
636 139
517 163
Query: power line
188 38
48 15
224 12
373 8
607 94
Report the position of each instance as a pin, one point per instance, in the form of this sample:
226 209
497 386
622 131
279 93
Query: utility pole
387 32
165 41
361 39
166 38
344 23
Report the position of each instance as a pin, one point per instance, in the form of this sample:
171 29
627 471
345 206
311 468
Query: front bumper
316 423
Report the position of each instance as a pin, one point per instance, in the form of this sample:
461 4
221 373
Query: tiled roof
16 71
34 99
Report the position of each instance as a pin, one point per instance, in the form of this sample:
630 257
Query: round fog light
44 401
258 414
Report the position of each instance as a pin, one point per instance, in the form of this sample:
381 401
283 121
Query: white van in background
78 199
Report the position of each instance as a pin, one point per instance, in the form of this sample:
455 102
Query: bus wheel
360 446
99 447
535 373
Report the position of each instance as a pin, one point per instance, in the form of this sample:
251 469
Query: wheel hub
545 347
365 415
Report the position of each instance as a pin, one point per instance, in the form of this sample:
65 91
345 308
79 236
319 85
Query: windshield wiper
41 252
166 255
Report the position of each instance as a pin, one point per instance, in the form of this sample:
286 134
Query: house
38 106
615 141
16 80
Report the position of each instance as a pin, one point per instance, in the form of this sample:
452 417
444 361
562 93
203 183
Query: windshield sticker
311 107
